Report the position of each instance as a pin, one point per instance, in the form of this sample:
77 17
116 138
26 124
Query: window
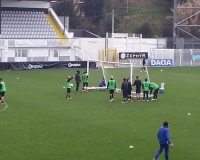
56 53
21 53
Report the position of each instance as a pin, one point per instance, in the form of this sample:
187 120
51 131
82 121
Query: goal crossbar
100 64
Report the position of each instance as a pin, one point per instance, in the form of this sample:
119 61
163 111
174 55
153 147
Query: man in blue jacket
164 141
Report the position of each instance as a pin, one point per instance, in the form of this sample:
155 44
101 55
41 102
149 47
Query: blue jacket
102 84
163 135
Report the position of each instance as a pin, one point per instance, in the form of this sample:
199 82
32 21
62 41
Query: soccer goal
118 70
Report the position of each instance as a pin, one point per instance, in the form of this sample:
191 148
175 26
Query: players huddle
126 87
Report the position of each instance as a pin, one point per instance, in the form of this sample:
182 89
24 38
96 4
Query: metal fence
180 57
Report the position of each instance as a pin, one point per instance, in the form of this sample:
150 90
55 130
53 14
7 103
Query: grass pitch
40 124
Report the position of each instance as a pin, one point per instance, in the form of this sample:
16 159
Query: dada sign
161 62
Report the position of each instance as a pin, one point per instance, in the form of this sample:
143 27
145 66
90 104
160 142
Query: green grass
156 11
40 124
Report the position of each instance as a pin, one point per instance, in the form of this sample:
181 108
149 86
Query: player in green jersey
145 87
69 86
85 81
111 86
154 87
2 90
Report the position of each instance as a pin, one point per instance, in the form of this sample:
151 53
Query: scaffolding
184 13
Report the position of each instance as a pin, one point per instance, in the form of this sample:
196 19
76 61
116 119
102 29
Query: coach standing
138 85
78 80
143 64
124 89
164 141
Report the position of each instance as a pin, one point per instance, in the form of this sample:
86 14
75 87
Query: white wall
46 54
93 45
25 4
89 48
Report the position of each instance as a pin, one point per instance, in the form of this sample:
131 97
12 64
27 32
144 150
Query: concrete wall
25 4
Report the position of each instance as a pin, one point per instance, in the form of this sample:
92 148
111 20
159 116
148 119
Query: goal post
118 70
109 55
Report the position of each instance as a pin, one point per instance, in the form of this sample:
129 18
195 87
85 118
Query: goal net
118 70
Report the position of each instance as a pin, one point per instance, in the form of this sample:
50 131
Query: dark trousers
143 67
155 93
166 148
77 86
145 94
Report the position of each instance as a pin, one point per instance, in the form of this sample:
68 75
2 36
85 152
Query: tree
68 9
167 29
146 30
98 16
95 8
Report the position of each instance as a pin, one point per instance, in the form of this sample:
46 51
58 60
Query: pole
88 66
0 15
174 26
113 21
64 16
127 6
67 24
131 74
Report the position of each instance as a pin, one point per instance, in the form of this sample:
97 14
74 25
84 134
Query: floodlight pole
174 25
113 21
64 16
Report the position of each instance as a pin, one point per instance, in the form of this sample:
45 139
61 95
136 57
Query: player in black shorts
143 64
124 89
129 89
138 85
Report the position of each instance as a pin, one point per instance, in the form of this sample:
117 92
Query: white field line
6 106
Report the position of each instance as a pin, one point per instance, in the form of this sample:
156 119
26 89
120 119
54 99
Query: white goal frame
100 65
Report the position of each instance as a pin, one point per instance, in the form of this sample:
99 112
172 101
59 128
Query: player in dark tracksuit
124 89
138 85
78 80
143 64
129 90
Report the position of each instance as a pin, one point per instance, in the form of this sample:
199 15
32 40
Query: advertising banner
161 62
31 43
195 57
48 65
133 55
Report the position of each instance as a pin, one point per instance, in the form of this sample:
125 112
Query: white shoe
123 102
153 99
140 71
147 100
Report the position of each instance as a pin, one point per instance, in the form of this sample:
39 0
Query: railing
179 57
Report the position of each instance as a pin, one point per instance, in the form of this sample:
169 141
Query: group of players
126 88
78 80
